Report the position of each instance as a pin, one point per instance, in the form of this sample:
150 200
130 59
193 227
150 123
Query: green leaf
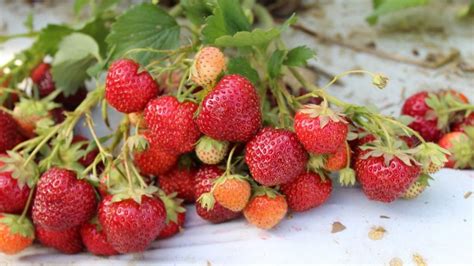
143 26
275 63
104 5
77 52
382 7
79 5
197 10
257 37
50 37
29 22
240 65
299 56
228 19
97 28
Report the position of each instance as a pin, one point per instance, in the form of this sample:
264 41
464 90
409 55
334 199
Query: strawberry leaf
143 26
382 7
240 65
77 52
197 10
275 63
299 56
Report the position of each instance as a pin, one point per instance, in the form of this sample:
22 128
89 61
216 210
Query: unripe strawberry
265 211
417 187
16 233
211 151
232 192
208 64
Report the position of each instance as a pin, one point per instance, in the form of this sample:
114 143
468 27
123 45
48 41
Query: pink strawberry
9 134
384 182
231 111
130 226
155 160
62 201
95 240
275 156
66 241
172 123
307 191
320 130
208 64
180 181
204 178
127 88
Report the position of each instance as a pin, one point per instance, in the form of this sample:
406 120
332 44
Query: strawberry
208 64
62 201
30 112
180 181
319 129
339 159
424 122
42 77
89 158
307 191
266 210
13 196
466 121
275 156
175 215
204 182
95 240
9 134
417 187
458 95
173 228
211 151
67 241
172 123
384 178
127 88
16 233
232 192
130 226
231 111
461 148
155 160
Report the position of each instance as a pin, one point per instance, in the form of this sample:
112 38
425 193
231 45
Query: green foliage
29 21
228 18
198 10
143 26
240 65
299 56
275 63
77 52
382 7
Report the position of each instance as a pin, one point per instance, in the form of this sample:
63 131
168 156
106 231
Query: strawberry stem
27 205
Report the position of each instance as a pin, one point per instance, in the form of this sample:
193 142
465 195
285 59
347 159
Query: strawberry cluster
217 129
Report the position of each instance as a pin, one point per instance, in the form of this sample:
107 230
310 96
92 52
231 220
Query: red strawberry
95 240
172 123
204 178
307 191
180 181
231 111
42 77
275 156
9 135
155 160
127 89
415 105
383 182
357 143
13 197
461 148
89 158
130 226
465 122
338 160
320 130
208 64
66 241
62 201
173 228
428 129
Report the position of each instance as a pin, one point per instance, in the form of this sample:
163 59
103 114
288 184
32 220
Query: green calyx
423 180
136 194
18 225
31 107
207 201
388 153
25 172
429 154
208 144
173 205
444 108
462 151
380 81
64 154
323 112
347 177
264 191
316 162
137 143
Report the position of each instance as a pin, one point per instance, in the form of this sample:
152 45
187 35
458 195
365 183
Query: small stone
337 227
419 260
468 194
384 217
377 233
